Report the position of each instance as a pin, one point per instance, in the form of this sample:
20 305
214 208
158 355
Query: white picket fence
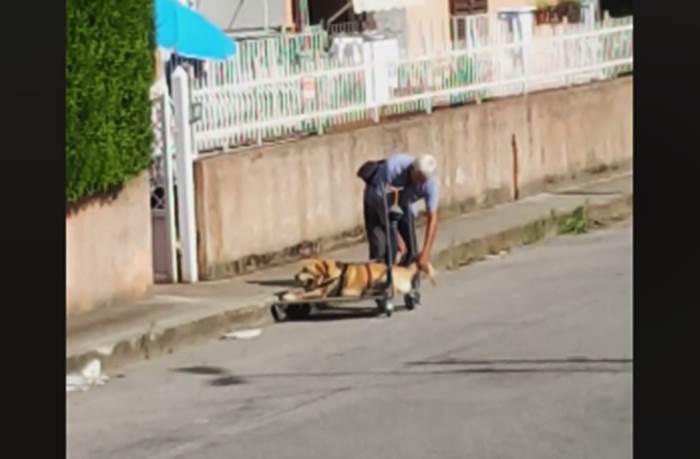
243 108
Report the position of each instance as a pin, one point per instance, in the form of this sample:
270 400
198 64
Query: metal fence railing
251 106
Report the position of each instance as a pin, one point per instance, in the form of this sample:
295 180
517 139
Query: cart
298 310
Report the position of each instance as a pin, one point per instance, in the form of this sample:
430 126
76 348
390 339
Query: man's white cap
426 165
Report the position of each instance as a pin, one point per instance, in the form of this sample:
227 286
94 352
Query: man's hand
423 260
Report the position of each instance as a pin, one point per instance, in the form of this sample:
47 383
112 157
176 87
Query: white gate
172 186
163 218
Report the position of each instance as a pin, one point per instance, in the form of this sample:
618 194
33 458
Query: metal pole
185 176
265 11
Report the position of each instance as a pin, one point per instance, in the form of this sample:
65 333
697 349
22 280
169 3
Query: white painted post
525 53
569 54
185 177
171 234
370 91
526 22
265 15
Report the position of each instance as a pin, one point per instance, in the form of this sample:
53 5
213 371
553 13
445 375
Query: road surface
523 356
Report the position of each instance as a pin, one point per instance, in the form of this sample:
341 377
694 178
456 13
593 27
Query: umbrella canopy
190 34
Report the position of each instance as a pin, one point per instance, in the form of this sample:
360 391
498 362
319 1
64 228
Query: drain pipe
516 191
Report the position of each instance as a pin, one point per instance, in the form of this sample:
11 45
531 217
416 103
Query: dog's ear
307 264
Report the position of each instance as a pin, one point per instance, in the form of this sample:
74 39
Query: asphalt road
524 356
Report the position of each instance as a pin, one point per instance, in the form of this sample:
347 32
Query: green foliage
109 69
576 223
617 8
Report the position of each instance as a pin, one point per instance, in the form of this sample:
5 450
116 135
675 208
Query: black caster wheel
279 312
299 311
385 307
409 302
389 308
412 300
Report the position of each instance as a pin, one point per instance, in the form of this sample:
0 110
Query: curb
156 343
459 255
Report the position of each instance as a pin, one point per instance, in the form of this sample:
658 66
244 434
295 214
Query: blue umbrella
190 34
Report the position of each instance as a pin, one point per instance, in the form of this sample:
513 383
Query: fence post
568 78
259 112
370 90
185 177
526 57
171 233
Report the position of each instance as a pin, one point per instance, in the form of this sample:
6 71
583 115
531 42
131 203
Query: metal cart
296 310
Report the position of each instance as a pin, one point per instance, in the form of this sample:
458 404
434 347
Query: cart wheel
385 307
299 311
279 312
380 306
409 302
412 300
389 307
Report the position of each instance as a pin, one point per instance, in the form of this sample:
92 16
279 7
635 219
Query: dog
323 278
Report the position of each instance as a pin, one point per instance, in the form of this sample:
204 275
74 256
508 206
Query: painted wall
108 249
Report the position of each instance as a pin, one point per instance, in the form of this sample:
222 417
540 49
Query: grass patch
576 223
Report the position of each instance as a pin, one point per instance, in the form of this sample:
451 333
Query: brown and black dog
322 278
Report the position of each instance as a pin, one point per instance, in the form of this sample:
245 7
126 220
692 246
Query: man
413 178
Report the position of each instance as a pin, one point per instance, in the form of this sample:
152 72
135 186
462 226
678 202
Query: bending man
413 178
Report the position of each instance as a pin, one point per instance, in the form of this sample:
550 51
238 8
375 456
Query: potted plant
569 9
542 12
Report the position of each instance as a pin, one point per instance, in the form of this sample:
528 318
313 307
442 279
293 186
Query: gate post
185 176
169 185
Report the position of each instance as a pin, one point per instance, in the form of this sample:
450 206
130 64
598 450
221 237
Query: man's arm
431 201
430 232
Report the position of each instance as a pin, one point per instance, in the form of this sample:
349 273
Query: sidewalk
173 316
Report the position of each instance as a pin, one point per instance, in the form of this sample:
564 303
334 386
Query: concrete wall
275 203
108 249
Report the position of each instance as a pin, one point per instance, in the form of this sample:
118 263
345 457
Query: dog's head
315 271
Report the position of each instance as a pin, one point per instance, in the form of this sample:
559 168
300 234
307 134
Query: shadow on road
338 315
496 366
587 193
517 361
225 378
201 370
344 313
274 283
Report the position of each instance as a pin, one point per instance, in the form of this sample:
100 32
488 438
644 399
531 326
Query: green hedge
109 69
